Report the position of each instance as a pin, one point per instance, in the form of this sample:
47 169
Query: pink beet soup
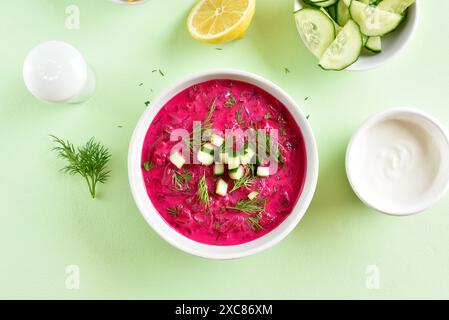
186 196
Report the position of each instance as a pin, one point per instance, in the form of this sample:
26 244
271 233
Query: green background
48 221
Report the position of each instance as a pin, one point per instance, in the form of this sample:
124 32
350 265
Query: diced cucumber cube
223 157
219 169
177 159
233 162
205 158
208 148
263 171
222 188
216 140
237 174
253 194
247 156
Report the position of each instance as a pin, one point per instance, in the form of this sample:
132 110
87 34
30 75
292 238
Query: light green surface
48 221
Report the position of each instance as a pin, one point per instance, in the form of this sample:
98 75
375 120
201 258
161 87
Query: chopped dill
147 165
203 194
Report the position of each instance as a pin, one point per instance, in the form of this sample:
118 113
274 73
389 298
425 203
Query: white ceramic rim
370 122
365 62
181 242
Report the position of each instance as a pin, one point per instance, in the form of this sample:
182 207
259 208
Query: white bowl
155 220
422 127
392 44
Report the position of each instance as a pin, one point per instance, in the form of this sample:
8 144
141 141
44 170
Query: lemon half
217 21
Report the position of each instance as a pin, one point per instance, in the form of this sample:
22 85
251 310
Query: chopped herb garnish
198 131
219 49
246 181
231 101
89 161
306 98
147 165
203 194
283 132
308 116
250 206
286 70
158 70
238 117
173 211
140 84
147 103
119 126
255 222
180 180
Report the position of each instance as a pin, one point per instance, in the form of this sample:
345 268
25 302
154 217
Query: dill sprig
246 181
89 161
180 180
203 194
148 165
198 131
255 222
250 206
173 211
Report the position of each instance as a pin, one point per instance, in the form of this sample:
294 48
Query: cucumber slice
247 156
177 159
374 44
205 158
395 6
373 21
336 25
321 3
233 162
222 188
343 15
219 169
208 148
237 174
263 171
223 157
216 140
345 50
316 30
253 194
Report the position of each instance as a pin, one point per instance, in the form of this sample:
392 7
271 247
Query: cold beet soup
224 162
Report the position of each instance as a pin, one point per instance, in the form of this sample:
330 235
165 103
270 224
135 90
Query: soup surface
237 190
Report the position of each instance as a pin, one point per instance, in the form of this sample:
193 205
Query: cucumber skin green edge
313 8
381 35
358 56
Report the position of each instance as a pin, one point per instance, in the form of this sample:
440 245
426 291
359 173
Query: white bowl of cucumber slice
355 34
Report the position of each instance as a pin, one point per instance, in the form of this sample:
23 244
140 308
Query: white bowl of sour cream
397 162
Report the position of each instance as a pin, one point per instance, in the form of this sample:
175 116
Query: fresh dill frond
89 161
148 165
238 117
250 206
246 181
203 194
198 131
231 101
180 180
173 211
255 222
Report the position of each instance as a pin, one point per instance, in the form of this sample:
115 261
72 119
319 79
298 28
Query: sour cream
398 162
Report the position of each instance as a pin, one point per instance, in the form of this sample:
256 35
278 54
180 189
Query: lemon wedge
217 21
